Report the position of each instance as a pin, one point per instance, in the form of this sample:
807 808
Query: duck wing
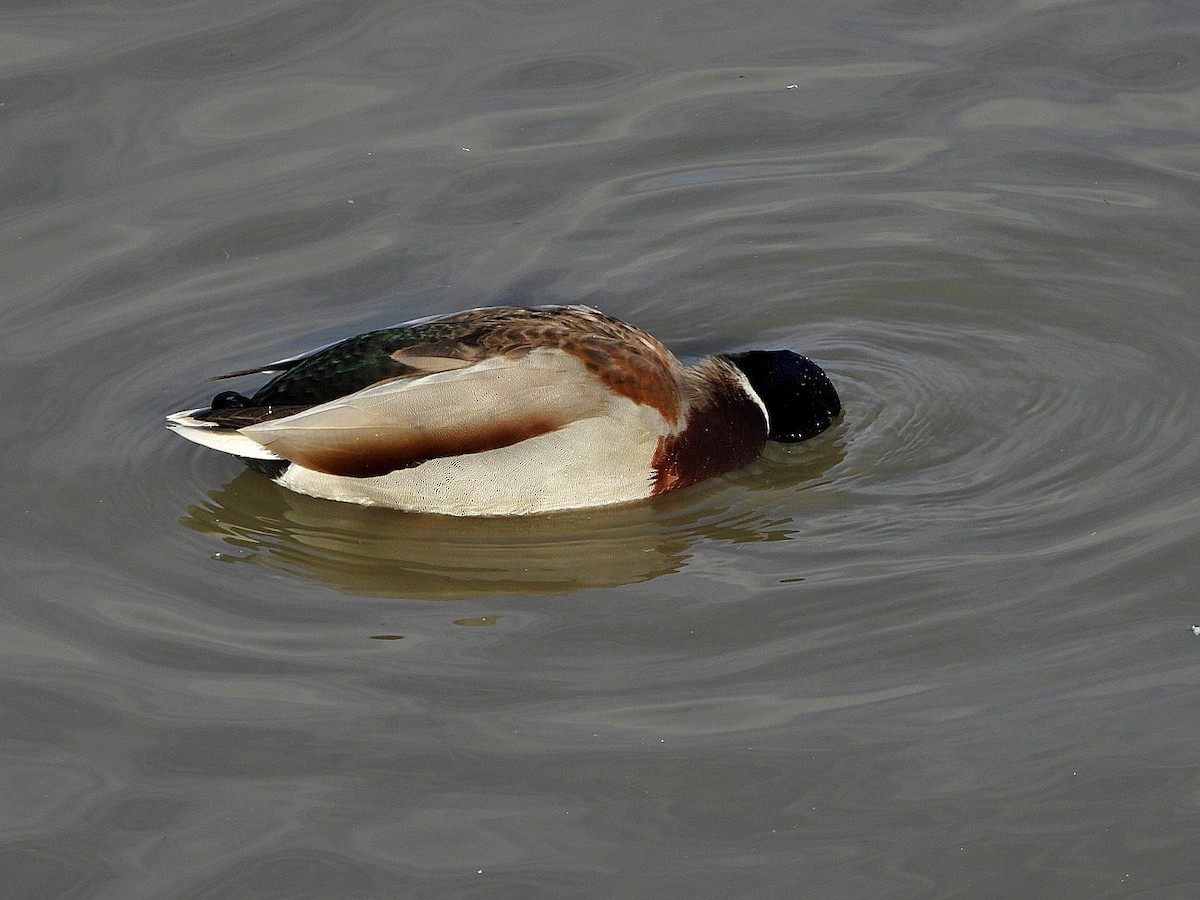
417 348
405 421
445 386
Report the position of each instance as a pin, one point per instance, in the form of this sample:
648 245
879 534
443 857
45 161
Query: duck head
800 399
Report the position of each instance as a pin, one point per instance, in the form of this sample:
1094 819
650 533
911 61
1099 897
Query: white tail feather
215 437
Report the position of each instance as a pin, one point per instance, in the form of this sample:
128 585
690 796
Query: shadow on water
383 552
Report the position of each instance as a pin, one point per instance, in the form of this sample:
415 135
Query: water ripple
944 649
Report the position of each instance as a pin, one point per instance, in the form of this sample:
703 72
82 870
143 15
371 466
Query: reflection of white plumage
510 410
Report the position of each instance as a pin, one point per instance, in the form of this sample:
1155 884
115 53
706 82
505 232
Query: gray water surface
943 651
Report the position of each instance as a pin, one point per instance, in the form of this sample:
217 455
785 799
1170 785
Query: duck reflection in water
375 552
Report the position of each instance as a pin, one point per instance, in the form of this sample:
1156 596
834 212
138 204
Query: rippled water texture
945 650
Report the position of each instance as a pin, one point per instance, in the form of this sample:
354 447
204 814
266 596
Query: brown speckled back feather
626 359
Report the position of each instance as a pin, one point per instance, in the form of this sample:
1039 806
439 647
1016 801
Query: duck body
508 411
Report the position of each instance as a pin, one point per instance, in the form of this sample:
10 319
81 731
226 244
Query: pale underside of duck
495 411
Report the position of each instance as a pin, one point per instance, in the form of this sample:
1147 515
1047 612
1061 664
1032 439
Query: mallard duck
510 410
